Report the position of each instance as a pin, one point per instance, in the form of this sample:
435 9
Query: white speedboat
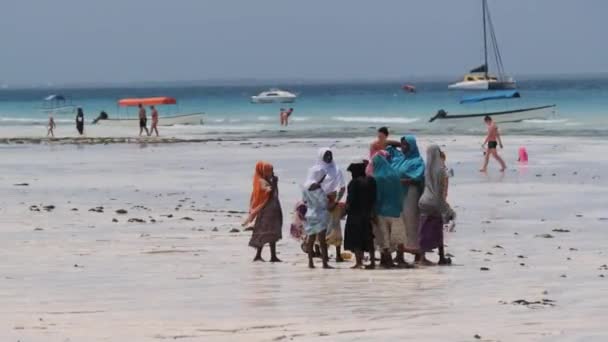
480 78
163 120
274 95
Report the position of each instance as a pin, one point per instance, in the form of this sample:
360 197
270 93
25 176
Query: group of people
143 121
395 204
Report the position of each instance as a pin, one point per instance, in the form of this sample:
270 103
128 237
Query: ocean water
334 108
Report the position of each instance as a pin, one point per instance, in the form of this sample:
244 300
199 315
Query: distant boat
163 120
408 88
274 95
57 104
513 115
480 78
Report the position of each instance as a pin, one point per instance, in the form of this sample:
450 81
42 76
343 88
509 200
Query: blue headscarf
389 199
408 164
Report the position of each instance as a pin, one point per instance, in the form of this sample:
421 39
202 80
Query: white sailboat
480 78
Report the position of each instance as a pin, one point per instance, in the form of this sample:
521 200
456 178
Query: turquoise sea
340 108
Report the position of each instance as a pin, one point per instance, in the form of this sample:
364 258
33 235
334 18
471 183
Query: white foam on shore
376 119
546 121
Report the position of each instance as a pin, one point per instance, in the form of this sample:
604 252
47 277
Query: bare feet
357 267
258 259
275 259
425 262
311 264
444 262
370 267
483 170
327 267
339 258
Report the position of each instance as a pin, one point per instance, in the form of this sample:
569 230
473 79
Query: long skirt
334 230
358 233
410 216
268 224
430 232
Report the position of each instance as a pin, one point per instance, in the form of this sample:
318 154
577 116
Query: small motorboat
511 115
408 88
163 120
273 96
58 104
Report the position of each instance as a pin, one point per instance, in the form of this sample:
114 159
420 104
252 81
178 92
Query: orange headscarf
260 193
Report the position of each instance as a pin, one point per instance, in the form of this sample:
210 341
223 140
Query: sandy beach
529 249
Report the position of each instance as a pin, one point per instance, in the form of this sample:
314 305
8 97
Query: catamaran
480 78
163 120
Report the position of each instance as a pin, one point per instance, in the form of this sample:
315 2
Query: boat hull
482 85
255 99
186 119
516 115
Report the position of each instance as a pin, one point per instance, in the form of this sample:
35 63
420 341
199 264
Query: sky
118 41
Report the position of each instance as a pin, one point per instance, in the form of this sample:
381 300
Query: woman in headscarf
317 216
265 209
360 202
409 165
80 121
334 187
434 209
389 232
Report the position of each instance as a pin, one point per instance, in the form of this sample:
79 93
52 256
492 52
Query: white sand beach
69 273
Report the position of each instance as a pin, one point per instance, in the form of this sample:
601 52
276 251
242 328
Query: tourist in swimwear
434 209
379 144
154 126
360 202
493 141
265 210
409 165
143 120
51 126
389 230
80 121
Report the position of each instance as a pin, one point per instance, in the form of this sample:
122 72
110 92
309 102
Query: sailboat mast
485 40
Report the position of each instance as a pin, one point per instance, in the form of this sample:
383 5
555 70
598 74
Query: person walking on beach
434 209
360 202
409 165
493 141
265 210
143 120
389 231
154 126
80 121
51 126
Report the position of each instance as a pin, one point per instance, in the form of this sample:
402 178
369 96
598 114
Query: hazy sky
160 40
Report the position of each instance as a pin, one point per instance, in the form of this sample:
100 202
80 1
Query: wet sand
529 248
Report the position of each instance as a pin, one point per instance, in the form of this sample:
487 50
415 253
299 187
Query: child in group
51 126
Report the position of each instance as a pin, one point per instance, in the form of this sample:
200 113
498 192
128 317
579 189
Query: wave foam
377 119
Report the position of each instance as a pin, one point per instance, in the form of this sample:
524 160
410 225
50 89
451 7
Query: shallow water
342 109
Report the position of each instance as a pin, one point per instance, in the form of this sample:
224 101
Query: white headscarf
334 179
